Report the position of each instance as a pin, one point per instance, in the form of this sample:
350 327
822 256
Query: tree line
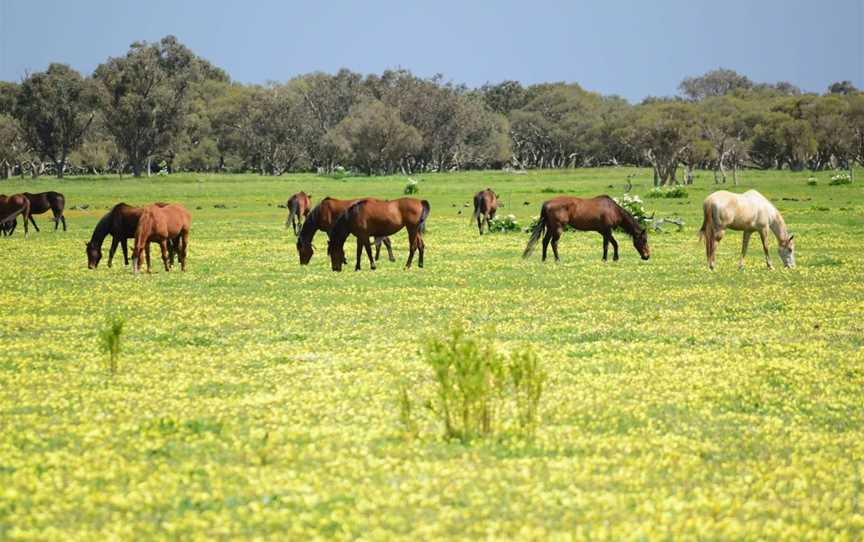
161 108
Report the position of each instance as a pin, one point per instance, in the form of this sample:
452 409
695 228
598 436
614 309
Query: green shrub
506 224
841 177
411 188
110 339
477 387
676 191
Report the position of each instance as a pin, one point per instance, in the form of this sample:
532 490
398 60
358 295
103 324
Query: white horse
747 212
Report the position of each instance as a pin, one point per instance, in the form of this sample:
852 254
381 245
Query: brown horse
485 207
10 208
161 224
120 223
298 209
322 218
600 214
41 202
375 218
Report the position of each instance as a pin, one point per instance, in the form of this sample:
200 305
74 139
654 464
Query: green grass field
256 398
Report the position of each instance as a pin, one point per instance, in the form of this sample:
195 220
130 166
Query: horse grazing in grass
600 214
322 218
10 208
299 206
41 202
161 224
120 223
485 207
376 218
747 212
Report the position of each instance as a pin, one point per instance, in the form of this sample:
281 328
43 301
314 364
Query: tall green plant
110 338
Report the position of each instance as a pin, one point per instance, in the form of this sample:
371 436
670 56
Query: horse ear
791 237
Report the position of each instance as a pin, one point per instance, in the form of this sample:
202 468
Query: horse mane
103 227
310 225
340 230
629 224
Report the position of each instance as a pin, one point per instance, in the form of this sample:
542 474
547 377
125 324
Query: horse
322 218
600 214
10 208
373 217
747 212
298 209
41 202
120 223
161 224
485 207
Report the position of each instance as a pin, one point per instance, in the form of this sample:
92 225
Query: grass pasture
256 398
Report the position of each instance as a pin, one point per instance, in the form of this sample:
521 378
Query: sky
626 47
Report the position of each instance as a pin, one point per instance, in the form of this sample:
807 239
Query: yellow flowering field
258 399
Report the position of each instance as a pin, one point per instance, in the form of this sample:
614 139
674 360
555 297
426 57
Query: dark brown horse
41 202
120 223
10 208
161 224
600 214
322 218
485 207
299 206
375 218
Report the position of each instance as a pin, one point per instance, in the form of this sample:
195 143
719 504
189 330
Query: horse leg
763 234
389 246
123 242
359 254
147 254
605 246
182 246
744 243
614 247
480 224
33 222
368 245
163 244
421 247
412 246
546 239
63 218
555 236
56 222
377 248
114 243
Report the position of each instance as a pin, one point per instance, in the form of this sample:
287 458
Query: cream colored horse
747 212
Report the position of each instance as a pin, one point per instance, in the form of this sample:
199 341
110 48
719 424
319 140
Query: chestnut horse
600 214
10 208
375 218
120 223
298 209
485 207
161 224
747 212
41 202
322 218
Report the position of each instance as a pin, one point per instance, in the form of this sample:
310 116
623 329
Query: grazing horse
298 209
10 208
600 214
485 207
161 224
375 218
747 212
322 218
41 202
120 223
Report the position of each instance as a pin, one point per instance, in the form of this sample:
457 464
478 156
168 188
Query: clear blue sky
626 47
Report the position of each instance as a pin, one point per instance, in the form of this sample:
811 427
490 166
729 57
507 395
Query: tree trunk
149 162
136 169
61 166
735 173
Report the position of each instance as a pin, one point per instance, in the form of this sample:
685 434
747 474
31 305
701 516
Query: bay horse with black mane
485 207
10 208
600 214
322 218
161 224
41 202
299 206
120 223
375 218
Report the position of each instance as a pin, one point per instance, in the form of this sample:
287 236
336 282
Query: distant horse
161 224
10 208
600 214
120 223
747 212
375 218
485 207
298 209
322 218
41 202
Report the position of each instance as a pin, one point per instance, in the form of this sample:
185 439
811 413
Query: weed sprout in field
110 338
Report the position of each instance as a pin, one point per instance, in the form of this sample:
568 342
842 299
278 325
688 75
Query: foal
485 207
298 205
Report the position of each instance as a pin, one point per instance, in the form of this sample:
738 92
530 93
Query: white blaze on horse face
787 253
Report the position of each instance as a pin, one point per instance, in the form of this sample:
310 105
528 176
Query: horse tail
424 214
478 203
536 232
706 232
